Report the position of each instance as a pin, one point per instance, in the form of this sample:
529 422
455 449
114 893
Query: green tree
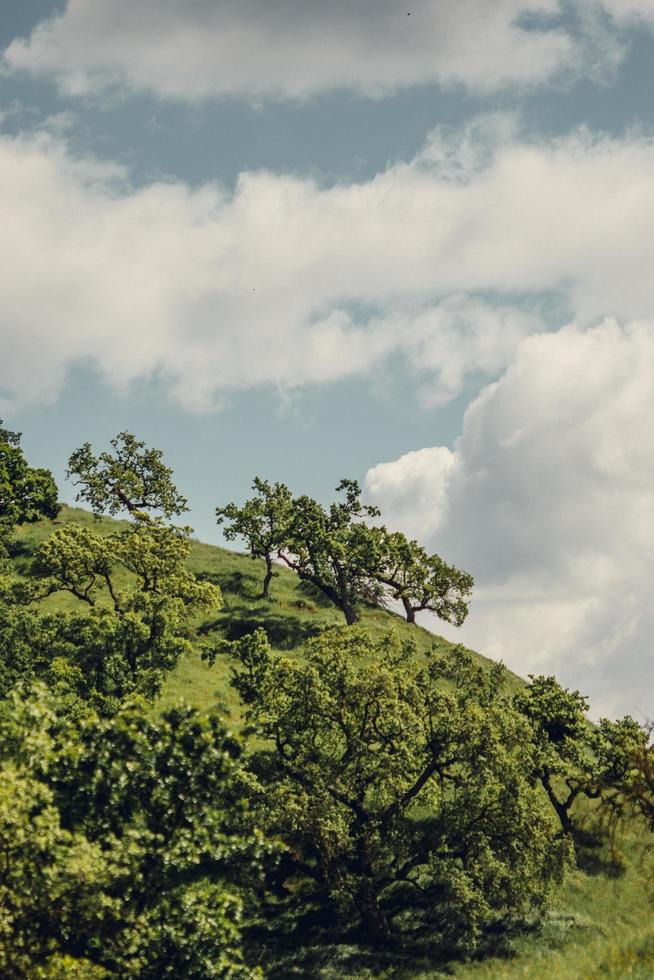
139 598
402 791
263 522
633 776
421 581
573 758
133 478
26 493
46 873
336 549
127 846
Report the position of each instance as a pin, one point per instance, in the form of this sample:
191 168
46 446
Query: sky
407 243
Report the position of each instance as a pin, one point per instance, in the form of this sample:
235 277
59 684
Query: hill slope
601 925
295 612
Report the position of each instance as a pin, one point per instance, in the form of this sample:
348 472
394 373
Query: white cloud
217 290
412 490
461 336
191 49
548 499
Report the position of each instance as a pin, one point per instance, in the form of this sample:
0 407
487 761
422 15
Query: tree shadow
319 945
284 632
237 583
330 956
18 548
594 853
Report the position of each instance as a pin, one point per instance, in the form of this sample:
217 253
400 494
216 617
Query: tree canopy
336 549
26 493
345 553
127 845
400 799
135 593
421 581
263 522
132 479
575 759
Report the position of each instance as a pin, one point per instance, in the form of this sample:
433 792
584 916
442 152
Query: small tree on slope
421 581
263 522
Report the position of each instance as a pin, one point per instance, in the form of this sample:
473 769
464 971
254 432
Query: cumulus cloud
266 285
412 490
548 499
218 291
191 49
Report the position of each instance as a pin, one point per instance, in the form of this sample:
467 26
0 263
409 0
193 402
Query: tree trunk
561 809
348 610
373 918
409 610
268 579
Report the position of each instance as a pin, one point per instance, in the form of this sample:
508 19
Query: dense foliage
575 759
403 791
344 553
132 478
263 522
384 795
135 594
126 845
26 494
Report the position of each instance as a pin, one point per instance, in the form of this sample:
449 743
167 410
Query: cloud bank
548 499
440 262
192 49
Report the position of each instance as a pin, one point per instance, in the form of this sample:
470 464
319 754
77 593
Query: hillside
295 612
601 924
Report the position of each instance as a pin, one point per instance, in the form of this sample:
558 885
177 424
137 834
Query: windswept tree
336 549
27 494
634 796
421 581
262 522
405 802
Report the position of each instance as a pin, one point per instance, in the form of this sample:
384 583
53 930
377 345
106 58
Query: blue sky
404 243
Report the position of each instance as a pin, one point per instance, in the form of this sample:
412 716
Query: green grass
600 928
294 613
601 925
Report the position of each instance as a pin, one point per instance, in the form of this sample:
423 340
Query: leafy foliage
421 581
138 592
26 494
133 478
263 521
336 549
343 554
402 802
574 758
126 844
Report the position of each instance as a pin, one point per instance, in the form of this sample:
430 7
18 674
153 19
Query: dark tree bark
268 578
373 918
409 610
562 809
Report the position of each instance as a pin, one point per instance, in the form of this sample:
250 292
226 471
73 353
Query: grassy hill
295 612
601 925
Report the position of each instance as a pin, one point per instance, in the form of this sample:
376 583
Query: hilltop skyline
404 244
